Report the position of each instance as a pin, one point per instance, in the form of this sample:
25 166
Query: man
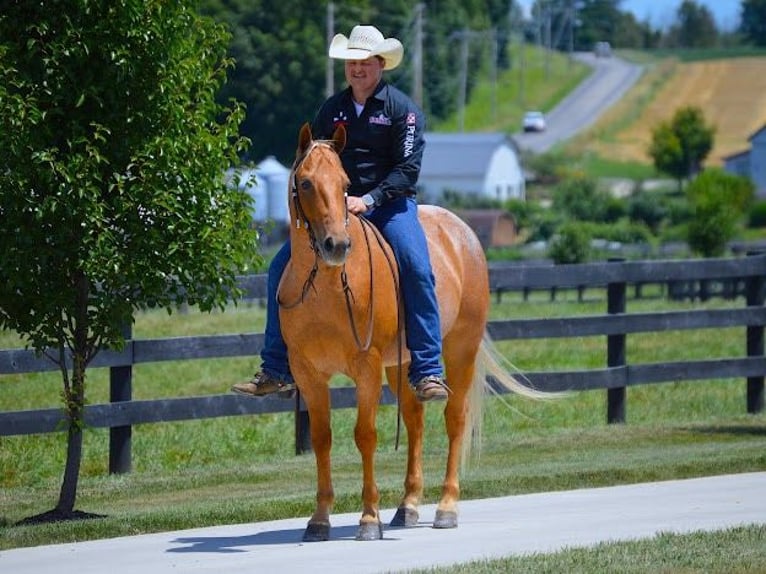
382 159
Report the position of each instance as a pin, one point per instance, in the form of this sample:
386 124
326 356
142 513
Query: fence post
615 351
755 343
302 426
121 389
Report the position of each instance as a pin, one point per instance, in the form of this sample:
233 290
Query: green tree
571 244
112 192
695 26
679 147
580 198
719 202
753 22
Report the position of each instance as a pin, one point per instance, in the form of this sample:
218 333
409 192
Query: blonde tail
491 363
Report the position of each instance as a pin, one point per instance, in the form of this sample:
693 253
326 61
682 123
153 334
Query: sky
661 13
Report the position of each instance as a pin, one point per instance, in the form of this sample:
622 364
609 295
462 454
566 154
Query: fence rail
122 412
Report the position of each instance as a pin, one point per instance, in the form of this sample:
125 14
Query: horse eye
306 184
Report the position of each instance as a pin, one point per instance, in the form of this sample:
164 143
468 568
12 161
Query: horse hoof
445 519
317 532
370 531
405 517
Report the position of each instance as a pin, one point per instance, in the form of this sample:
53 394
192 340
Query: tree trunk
76 401
68 492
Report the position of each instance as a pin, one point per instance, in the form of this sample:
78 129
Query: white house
751 163
267 185
485 165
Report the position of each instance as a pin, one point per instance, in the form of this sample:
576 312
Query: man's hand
355 205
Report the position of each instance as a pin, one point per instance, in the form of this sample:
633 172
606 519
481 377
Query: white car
534 122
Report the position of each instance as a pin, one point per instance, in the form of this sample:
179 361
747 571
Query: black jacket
385 143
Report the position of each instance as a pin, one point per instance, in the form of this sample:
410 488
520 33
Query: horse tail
493 370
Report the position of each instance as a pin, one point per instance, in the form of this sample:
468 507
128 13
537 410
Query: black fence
121 413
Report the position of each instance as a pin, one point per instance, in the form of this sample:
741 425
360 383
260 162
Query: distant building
493 227
267 185
485 165
751 163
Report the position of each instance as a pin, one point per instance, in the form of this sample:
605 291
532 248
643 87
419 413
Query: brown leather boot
263 384
431 388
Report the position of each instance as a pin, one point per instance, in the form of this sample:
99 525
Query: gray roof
460 153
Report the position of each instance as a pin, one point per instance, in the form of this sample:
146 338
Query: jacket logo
381 120
409 136
340 120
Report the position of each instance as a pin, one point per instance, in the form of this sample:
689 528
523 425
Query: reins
348 294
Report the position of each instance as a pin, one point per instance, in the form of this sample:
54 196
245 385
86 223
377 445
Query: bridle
308 284
367 228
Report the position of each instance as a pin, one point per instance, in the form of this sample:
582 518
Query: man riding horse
382 158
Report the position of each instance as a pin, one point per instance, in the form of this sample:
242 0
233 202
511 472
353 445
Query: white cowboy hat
364 42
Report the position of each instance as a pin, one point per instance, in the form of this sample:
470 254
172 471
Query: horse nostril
329 243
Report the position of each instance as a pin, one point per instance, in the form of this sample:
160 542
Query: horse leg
413 414
366 438
460 375
317 399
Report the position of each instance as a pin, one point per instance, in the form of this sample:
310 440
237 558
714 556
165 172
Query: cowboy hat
365 42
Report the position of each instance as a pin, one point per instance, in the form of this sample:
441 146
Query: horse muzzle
334 251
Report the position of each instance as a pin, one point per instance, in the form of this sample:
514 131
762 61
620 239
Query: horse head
319 185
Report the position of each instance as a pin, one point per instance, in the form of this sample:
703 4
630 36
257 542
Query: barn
751 163
483 165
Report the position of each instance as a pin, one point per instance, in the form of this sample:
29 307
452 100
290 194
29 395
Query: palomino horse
338 314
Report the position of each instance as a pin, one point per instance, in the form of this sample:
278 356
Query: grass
242 469
741 549
538 84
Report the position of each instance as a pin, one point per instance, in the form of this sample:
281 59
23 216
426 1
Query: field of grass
242 469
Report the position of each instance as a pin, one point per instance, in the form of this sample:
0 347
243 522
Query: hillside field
730 92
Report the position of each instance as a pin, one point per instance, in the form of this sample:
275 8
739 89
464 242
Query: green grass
539 84
741 549
242 469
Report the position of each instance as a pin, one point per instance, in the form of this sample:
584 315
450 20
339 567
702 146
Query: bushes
718 201
571 244
757 215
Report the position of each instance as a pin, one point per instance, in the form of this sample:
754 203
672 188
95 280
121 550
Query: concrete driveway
488 528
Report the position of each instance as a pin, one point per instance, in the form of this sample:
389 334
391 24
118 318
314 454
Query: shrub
580 198
570 245
757 215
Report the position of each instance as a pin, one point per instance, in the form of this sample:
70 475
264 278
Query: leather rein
348 294
367 227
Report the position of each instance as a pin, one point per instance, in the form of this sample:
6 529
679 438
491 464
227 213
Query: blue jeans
398 222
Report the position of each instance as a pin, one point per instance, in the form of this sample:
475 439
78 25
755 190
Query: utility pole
417 58
493 70
464 35
329 70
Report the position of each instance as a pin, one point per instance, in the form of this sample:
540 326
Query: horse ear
339 138
304 139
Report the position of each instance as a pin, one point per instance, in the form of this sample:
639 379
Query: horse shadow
291 536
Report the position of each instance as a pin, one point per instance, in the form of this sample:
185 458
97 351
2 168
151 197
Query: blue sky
661 13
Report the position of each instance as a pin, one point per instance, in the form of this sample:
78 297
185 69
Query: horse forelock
328 159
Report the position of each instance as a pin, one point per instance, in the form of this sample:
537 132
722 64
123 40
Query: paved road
488 528
611 78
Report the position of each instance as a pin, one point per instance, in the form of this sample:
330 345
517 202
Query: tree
571 244
112 192
580 198
753 22
695 26
679 147
718 201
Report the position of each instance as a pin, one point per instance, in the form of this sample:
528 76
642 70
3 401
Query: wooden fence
121 413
